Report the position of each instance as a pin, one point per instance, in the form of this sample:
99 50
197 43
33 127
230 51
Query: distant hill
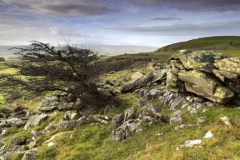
212 43
107 50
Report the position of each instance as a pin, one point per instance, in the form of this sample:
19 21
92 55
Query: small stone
176 120
159 134
141 103
183 106
201 120
204 110
177 127
177 113
193 111
50 144
208 134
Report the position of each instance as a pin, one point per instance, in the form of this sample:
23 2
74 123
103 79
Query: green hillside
212 43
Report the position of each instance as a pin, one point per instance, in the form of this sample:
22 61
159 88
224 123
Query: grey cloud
165 18
204 29
195 5
150 3
71 7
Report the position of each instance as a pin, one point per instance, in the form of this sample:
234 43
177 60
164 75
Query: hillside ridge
205 43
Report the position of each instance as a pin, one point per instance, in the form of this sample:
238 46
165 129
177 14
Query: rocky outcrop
206 86
211 75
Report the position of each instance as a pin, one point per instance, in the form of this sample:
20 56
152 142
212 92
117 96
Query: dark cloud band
204 29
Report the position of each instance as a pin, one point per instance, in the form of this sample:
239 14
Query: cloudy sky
116 22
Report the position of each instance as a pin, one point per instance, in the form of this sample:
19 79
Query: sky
152 23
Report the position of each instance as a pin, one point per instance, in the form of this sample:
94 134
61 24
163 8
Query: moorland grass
94 141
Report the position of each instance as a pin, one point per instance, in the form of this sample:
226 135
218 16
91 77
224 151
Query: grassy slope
203 43
94 141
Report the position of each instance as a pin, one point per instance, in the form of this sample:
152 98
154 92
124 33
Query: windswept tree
46 68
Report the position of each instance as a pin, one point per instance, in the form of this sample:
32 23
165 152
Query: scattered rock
195 106
159 134
18 141
36 133
208 134
141 103
35 121
176 120
193 111
71 115
151 107
103 119
190 143
137 83
29 155
183 126
33 144
12 122
136 76
226 121
120 133
201 120
177 113
118 120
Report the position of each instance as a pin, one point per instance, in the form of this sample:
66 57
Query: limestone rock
152 107
50 128
141 103
71 115
193 111
183 126
118 120
120 133
200 60
136 76
66 124
195 106
201 120
18 141
12 122
159 75
174 84
176 120
35 121
149 121
30 112
36 133
206 85
228 65
137 83
153 94
178 113
101 118
33 144
229 78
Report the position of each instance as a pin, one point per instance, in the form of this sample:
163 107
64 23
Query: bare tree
47 68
